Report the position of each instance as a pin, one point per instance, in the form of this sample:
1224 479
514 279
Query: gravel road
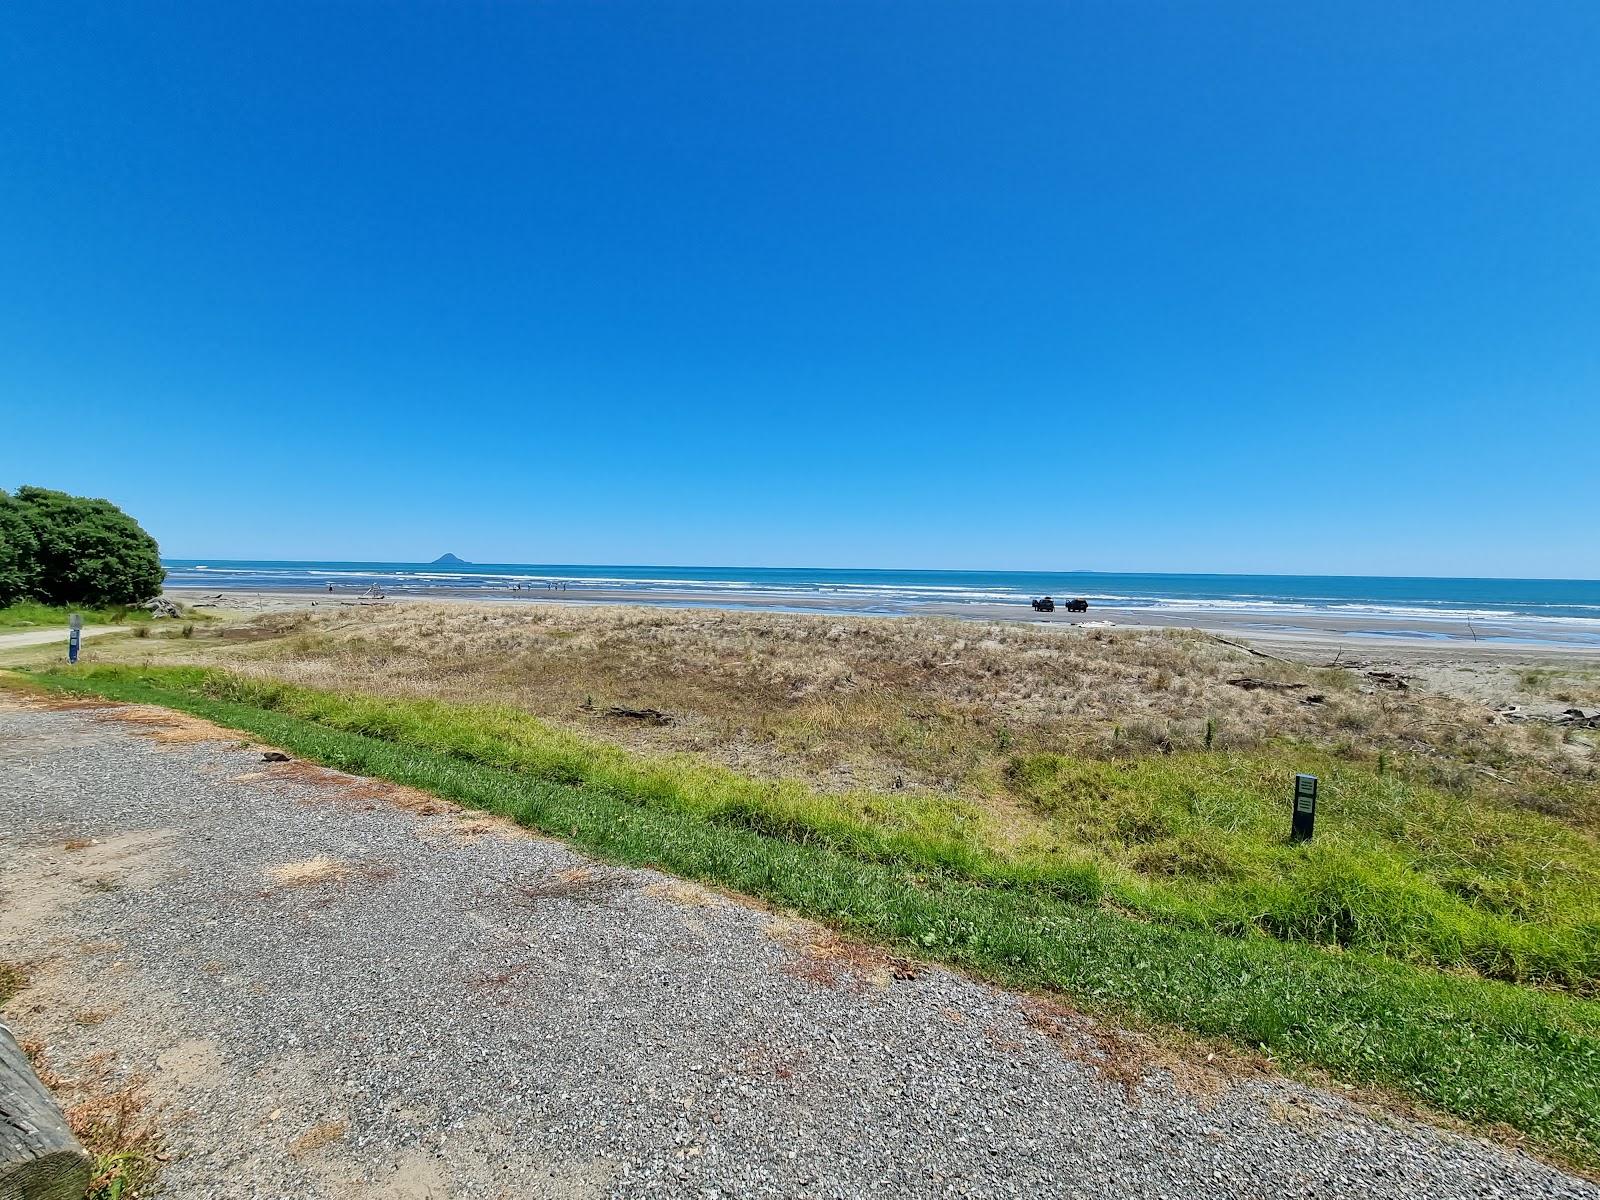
43 637
341 989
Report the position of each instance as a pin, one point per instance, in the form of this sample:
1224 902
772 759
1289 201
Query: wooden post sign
39 1157
74 636
1305 808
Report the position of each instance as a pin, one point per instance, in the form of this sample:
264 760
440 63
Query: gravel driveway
340 988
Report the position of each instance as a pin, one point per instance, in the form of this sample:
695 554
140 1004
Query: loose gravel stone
338 992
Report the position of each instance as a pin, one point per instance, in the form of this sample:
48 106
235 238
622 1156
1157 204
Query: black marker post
1305 808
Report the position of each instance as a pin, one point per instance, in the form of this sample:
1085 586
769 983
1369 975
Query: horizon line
202 560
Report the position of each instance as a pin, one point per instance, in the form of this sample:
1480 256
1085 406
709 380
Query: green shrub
73 550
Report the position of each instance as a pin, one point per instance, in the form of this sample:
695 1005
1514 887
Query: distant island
449 560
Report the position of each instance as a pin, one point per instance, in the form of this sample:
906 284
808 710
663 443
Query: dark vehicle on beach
1048 604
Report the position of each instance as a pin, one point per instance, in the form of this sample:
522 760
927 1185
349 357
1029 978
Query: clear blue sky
1231 286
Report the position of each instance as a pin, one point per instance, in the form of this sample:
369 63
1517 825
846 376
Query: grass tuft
12 980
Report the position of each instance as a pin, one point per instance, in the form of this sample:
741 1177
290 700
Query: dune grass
1565 684
1485 1051
919 703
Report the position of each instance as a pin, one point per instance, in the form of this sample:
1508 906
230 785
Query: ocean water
1570 602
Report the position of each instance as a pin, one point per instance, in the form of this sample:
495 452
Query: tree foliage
18 552
63 549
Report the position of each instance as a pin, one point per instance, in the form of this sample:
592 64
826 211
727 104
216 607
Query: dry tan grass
678 891
113 1118
321 869
822 957
324 1133
165 725
927 704
338 786
581 885
1128 1057
472 826
1561 685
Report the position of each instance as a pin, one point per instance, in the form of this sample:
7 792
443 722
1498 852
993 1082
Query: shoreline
1370 633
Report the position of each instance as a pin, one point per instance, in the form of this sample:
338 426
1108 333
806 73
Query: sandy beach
1301 634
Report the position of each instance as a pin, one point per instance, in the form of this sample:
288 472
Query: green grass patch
121 1175
1482 1050
29 614
12 980
1398 867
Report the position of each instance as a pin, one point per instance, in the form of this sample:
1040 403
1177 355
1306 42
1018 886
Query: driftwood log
651 716
39 1157
1251 684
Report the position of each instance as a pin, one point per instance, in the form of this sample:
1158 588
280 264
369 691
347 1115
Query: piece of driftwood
1250 683
39 1157
1581 718
1250 649
653 716
1388 679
